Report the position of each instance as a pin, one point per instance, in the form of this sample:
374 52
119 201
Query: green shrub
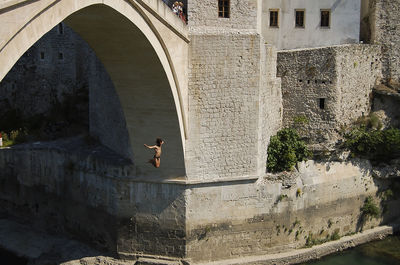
374 145
285 150
335 235
14 137
370 209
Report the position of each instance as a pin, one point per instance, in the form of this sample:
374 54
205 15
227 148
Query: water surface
385 252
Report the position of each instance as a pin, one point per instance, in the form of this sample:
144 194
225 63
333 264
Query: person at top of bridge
175 8
157 149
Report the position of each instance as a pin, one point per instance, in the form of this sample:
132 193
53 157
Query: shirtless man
157 149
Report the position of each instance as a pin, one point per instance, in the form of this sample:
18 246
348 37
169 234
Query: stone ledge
316 252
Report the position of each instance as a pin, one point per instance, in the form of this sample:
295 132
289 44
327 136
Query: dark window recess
42 55
273 18
325 18
60 56
223 8
300 18
322 103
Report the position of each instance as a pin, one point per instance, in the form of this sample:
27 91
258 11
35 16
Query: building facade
289 24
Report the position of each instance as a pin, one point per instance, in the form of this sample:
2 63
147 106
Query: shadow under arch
135 58
141 83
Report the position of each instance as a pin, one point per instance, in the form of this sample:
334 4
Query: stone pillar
228 90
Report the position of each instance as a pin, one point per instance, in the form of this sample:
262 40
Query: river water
385 252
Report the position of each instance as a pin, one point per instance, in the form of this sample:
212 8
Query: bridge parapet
164 13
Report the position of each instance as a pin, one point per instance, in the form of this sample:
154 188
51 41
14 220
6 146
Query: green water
385 252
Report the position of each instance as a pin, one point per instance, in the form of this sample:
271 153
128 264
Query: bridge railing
163 12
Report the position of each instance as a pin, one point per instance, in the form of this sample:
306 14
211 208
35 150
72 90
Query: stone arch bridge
209 88
144 48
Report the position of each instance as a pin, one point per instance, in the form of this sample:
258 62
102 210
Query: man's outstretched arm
150 147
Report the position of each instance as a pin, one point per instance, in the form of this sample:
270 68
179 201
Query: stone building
289 24
327 88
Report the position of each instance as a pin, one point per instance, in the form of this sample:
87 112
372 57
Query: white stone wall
344 27
342 75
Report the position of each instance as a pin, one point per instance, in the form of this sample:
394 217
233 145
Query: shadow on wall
60 88
142 87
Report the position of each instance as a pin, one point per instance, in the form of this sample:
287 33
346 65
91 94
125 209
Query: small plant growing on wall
370 209
298 192
281 197
285 150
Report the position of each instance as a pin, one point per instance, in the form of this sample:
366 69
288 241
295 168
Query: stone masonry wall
384 18
340 76
224 81
270 115
243 14
91 195
359 68
279 213
234 102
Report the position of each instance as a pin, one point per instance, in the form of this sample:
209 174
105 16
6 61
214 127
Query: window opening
300 18
60 29
325 18
322 103
223 8
273 18
42 55
60 56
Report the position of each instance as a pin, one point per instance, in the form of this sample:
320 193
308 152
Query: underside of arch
138 66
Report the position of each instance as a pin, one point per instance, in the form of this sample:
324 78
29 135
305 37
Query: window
325 18
223 8
60 56
41 55
299 18
322 103
273 18
60 29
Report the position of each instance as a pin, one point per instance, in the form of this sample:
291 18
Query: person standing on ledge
157 149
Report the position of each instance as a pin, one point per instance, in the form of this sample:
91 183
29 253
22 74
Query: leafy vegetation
14 137
285 150
370 209
312 240
66 118
374 144
281 197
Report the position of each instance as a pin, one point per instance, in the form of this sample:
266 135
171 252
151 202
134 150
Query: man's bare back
157 155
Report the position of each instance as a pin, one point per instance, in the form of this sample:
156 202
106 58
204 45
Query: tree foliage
375 145
285 150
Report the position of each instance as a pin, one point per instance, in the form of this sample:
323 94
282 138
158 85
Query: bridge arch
138 62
